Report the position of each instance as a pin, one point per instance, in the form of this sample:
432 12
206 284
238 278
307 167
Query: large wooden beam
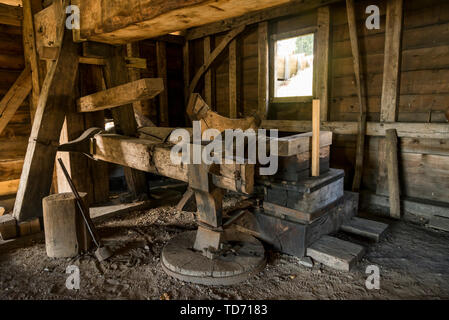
208 75
360 93
151 155
392 62
404 129
14 98
293 8
121 95
56 97
218 49
393 173
119 22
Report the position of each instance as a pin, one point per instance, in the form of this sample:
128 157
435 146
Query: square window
293 67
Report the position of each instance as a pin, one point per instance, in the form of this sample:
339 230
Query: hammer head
103 253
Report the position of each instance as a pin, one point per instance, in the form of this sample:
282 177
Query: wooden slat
55 99
393 173
322 73
121 95
234 70
263 86
392 60
316 139
360 93
186 71
208 74
14 98
161 57
404 129
366 228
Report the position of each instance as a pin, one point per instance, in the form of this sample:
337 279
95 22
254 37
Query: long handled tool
102 253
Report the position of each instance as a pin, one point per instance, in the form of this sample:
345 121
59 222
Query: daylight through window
294 67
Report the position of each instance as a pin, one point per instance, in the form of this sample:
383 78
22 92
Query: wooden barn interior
91 93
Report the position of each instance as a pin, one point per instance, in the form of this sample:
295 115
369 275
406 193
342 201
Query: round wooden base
243 258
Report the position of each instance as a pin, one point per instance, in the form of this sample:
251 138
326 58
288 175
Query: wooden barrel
66 234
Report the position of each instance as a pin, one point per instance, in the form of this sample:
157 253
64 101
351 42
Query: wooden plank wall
14 139
424 89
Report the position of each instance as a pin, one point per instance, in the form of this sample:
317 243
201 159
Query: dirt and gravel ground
413 262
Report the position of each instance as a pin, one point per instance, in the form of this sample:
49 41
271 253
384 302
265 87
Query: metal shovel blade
103 253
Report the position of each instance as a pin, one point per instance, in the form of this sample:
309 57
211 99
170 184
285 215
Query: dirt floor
413 262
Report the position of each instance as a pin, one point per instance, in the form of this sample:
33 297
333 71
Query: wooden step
366 228
440 223
335 253
142 89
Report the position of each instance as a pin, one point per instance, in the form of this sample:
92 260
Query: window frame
272 68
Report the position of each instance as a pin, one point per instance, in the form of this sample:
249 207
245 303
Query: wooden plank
14 98
404 129
11 15
392 61
124 120
121 95
299 143
133 51
55 99
316 138
322 73
161 57
10 170
208 74
393 173
439 223
186 70
234 79
218 49
360 93
9 187
119 23
366 228
263 83
335 253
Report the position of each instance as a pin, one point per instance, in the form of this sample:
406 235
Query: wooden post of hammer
316 138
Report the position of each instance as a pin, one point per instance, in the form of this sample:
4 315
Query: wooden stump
66 234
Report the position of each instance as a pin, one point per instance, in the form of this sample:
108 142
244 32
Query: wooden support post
316 139
391 78
88 175
322 73
393 173
360 93
161 56
133 50
263 70
38 70
208 74
124 120
65 231
54 101
392 61
234 79
186 66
